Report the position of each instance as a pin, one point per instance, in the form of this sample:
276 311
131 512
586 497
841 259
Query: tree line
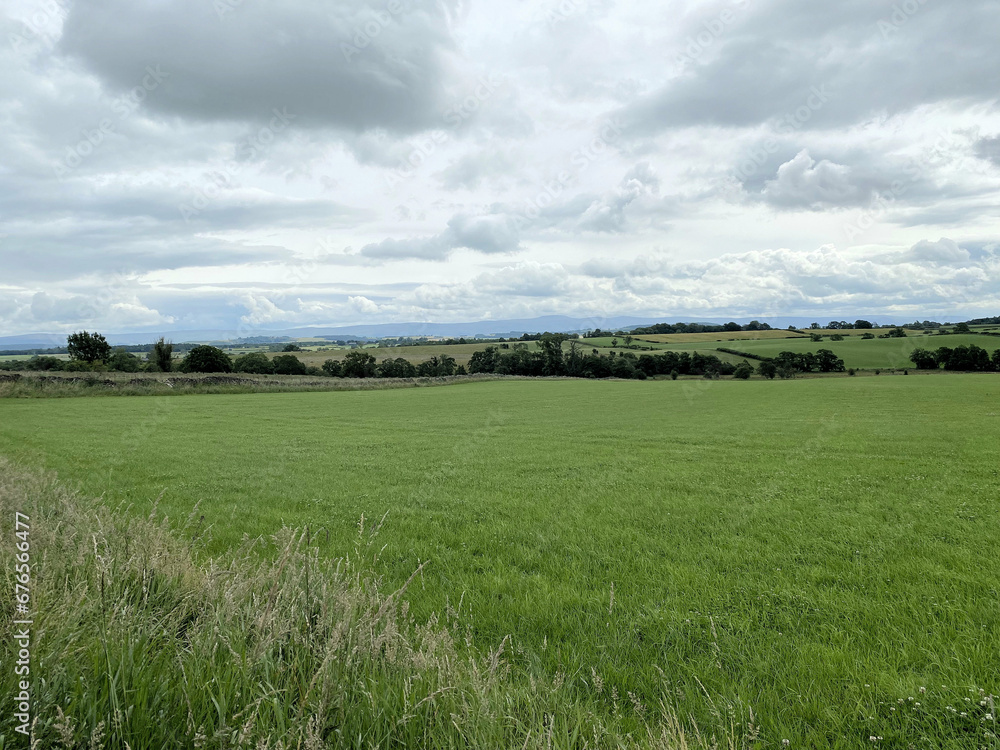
970 358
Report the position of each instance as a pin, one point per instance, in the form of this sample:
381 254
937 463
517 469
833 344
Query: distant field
696 338
814 549
415 354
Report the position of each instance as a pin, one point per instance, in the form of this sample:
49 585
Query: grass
136 644
815 549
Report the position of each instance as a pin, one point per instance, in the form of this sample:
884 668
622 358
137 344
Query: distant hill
471 329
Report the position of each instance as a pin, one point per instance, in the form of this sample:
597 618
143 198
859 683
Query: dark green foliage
332 368
206 358
257 363
967 359
836 337
767 369
288 364
43 363
161 355
893 333
863 324
865 336
438 366
815 337
923 359
743 371
88 347
827 361
396 368
123 361
962 328
358 364
292 348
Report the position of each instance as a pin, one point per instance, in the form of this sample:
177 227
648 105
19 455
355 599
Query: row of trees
970 358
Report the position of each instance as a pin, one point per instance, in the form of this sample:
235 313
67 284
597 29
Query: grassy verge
136 644
39 385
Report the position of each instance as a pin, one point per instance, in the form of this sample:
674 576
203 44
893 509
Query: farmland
855 351
815 550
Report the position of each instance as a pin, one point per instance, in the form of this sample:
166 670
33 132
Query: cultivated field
817 550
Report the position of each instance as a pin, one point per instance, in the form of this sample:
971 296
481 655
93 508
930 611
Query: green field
814 549
858 353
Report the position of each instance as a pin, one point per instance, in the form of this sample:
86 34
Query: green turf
856 352
816 549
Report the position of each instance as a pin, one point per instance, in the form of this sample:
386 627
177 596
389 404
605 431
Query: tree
836 337
358 364
923 359
288 364
123 361
332 368
865 336
256 363
88 347
161 357
204 358
43 363
743 370
767 369
732 326
827 361
814 337
863 324
292 348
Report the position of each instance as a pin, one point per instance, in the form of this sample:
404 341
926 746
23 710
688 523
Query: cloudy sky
253 164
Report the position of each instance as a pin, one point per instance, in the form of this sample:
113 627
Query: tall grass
138 644
34 385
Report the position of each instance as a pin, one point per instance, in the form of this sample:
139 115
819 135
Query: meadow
816 550
869 354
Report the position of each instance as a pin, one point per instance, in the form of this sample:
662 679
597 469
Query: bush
292 348
206 358
767 369
743 371
43 363
256 363
124 361
332 368
288 364
358 364
865 336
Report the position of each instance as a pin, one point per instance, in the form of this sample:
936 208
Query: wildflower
786 743
923 690
989 717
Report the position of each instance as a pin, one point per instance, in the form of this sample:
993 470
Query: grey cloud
989 149
485 234
805 183
242 63
872 58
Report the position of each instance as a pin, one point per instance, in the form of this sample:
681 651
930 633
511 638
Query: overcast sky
244 164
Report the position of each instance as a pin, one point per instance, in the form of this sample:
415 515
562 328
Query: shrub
161 357
743 371
288 364
206 358
256 363
332 368
123 361
865 336
43 363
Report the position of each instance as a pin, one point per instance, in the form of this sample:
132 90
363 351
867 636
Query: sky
249 165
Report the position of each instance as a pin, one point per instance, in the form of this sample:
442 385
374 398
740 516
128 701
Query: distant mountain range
472 329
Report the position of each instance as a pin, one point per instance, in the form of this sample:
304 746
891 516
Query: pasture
816 550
